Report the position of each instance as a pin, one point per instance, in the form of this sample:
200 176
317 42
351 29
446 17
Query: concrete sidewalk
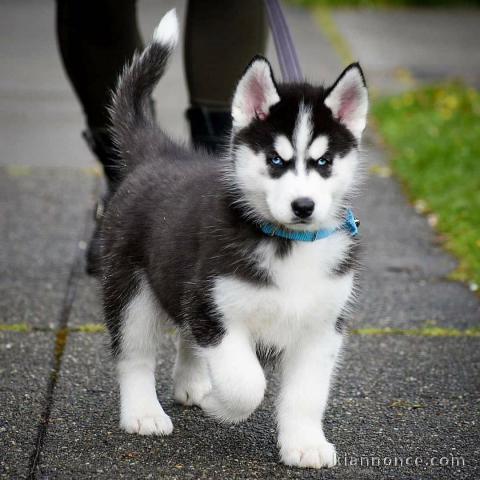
396 396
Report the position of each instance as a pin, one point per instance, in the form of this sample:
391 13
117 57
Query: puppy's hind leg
140 410
190 374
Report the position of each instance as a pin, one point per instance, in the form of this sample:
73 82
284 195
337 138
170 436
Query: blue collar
350 224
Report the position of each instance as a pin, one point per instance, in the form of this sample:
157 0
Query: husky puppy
217 246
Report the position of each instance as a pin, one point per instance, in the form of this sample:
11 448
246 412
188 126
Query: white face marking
318 147
302 135
251 176
283 147
270 199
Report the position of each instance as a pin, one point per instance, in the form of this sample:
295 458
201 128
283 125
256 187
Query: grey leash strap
286 53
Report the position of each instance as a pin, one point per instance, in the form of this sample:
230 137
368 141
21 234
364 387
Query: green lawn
434 136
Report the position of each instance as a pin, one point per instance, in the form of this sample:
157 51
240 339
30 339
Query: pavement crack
61 336
60 342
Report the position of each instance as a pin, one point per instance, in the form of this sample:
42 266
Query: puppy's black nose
303 207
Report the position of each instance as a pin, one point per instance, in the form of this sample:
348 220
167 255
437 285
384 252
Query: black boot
102 147
101 144
209 128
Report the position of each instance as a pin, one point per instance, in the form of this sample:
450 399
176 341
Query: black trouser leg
96 38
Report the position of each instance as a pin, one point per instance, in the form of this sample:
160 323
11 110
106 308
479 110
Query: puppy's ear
255 93
348 99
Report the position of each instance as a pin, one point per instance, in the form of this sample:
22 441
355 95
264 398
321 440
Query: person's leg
221 38
96 39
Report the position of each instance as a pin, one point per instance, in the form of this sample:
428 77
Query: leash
286 53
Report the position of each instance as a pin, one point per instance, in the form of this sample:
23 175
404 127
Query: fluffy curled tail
133 125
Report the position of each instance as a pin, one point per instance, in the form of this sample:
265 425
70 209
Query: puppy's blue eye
276 161
322 161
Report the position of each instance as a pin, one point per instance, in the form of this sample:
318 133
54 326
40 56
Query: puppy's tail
134 130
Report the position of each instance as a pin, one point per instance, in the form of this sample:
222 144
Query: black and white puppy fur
182 243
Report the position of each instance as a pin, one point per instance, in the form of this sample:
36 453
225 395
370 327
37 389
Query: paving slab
394 397
395 235
397 300
87 307
433 44
404 282
43 214
25 361
40 119
32 302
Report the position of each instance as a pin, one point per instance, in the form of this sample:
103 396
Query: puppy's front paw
155 422
190 376
191 392
192 383
308 454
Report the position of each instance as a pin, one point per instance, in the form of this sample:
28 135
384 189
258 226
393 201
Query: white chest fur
304 294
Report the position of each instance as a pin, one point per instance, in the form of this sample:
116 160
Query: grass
385 3
428 331
25 328
434 134
16 327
